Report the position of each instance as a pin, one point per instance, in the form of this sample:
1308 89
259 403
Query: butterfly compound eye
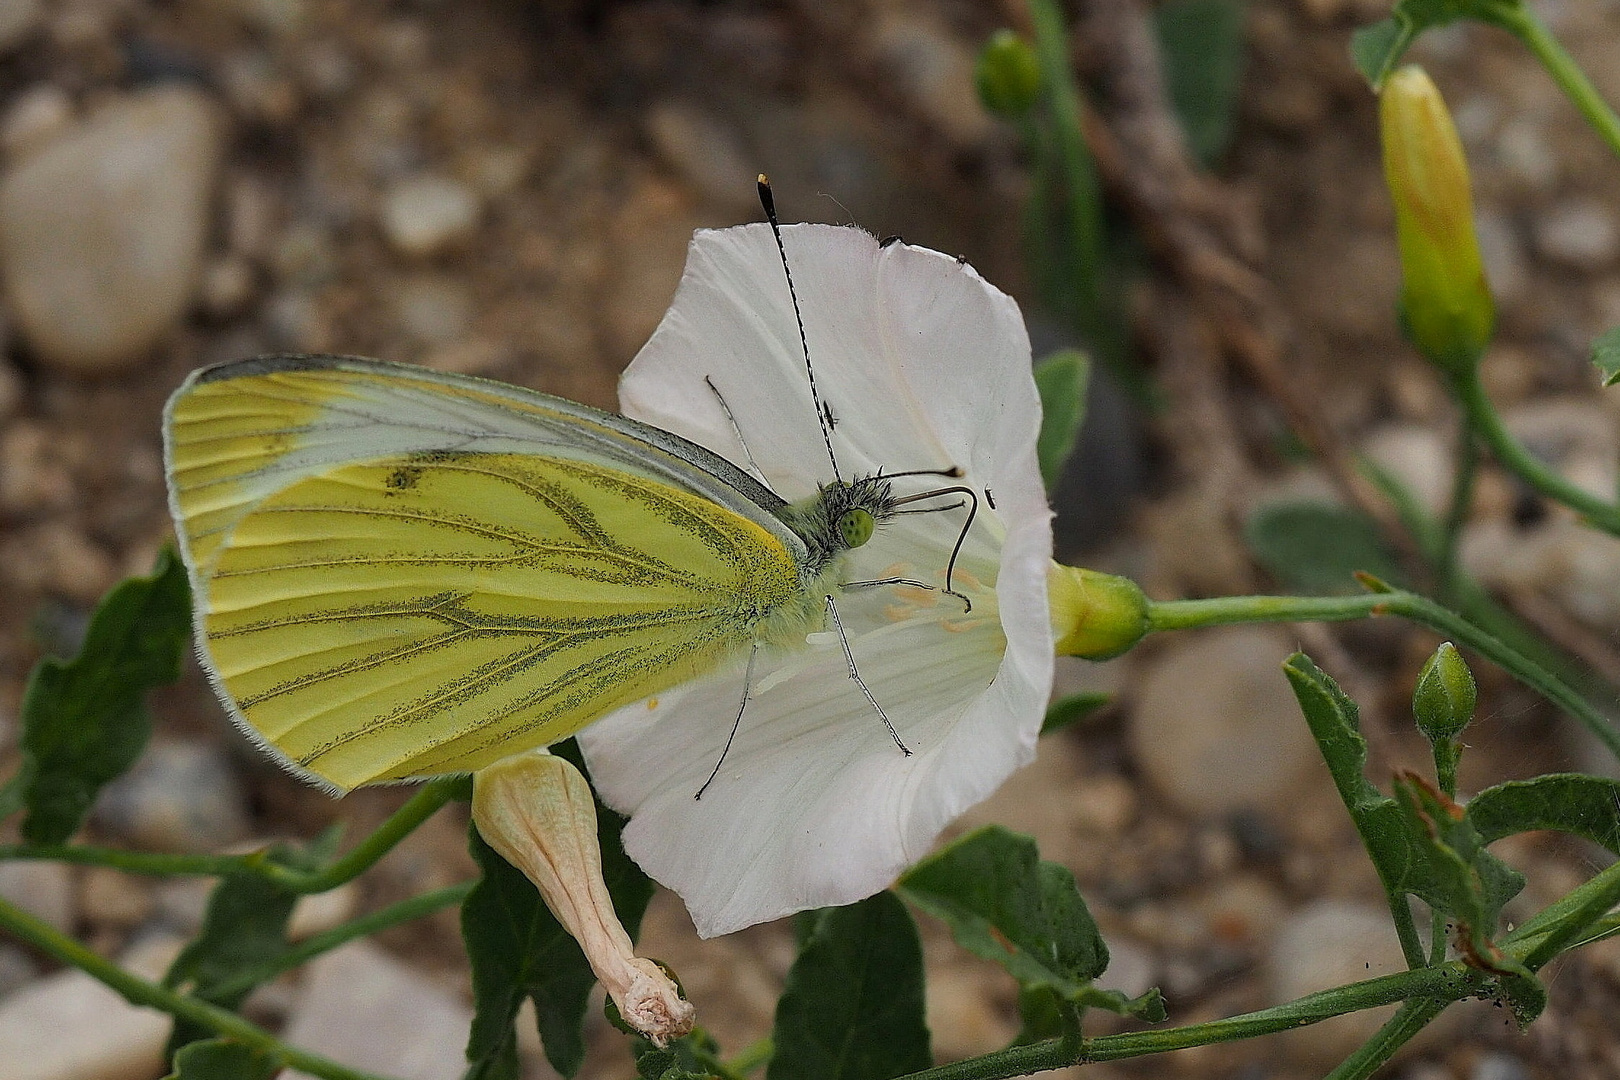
856 526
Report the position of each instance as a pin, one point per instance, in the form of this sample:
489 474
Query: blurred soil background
507 189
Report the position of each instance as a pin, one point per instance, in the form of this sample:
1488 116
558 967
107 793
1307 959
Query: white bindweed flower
923 365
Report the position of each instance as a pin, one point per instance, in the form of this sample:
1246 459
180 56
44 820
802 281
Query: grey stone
1498 1066
34 116
43 889
180 796
1501 249
366 1009
18 21
1325 944
433 308
102 228
1583 235
1216 728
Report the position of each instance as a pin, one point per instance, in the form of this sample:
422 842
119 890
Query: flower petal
925 366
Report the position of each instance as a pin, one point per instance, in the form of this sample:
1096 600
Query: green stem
1411 1018
1519 461
752 1057
422 805
138 991
1186 614
1401 913
1519 21
1591 901
404 911
1449 983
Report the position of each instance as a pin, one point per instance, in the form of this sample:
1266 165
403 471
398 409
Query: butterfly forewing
385 595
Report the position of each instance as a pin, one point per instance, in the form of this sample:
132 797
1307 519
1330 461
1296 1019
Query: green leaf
1061 379
1202 45
518 949
217 1059
243 935
1004 904
1072 709
1587 806
1606 356
84 720
1317 548
853 1005
1378 48
1470 886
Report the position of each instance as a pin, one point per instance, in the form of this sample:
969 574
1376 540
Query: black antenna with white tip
765 200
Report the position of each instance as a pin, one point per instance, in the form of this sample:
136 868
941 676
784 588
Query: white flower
924 366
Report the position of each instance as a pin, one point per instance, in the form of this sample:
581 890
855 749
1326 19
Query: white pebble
423 215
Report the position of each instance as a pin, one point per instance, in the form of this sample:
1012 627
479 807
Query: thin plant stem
422 805
1405 927
1519 461
1412 1017
414 907
1186 614
1521 22
138 991
1602 893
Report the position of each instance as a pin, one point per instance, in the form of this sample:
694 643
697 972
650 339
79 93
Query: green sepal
84 721
691 1057
853 1005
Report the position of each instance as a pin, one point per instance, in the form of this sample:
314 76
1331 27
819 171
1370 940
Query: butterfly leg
753 466
748 686
885 581
838 624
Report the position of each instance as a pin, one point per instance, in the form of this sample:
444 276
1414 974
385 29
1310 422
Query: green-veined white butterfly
403 573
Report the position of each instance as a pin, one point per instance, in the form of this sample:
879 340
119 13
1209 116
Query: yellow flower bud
1094 615
536 810
1446 305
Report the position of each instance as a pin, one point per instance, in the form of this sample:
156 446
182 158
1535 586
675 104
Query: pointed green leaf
1587 806
1606 356
853 1005
1376 49
1316 547
1004 904
84 720
217 1059
518 949
1072 709
1061 379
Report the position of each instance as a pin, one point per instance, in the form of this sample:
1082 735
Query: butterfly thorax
839 517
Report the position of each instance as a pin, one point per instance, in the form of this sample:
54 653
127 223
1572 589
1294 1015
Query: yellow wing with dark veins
421 596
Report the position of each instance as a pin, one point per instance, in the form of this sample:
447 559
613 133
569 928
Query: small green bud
1008 75
1094 615
1446 306
1443 702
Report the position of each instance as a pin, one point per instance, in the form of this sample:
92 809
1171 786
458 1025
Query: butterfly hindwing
400 573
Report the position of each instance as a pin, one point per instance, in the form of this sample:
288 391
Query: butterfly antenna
769 203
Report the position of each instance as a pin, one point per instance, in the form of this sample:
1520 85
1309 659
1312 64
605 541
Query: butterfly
402 573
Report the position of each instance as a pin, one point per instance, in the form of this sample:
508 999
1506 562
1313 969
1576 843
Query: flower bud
1443 702
1008 75
1094 615
537 811
1446 307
